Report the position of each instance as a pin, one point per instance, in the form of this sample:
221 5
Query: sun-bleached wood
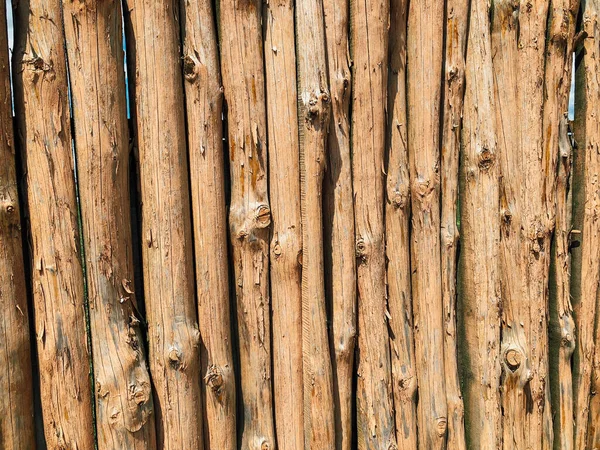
153 32
16 403
397 223
42 109
242 65
426 25
480 240
204 108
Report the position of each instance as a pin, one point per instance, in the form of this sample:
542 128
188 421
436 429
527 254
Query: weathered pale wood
397 223
527 220
586 218
242 64
286 237
374 393
426 25
97 81
559 63
480 239
204 108
16 401
314 110
338 218
42 109
174 340
457 13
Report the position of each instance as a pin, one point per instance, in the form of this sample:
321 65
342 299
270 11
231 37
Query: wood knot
262 216
361 249
513 358
441 426
486 159
174 358
214 379
265 446
189 68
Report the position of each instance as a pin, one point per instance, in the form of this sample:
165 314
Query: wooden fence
324 224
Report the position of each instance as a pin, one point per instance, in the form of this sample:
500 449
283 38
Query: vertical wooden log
153 42
42 108
286 237
314 116
586 214
527 215
204 107
102 146
374 395
397 223
426 25
559 63
480 239
16 403
338 217
250 213
457 13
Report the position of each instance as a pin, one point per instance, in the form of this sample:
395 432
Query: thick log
204 109
16 403
374 393
42 109
174 340
426 25
480 240
286 236
397 231
242 64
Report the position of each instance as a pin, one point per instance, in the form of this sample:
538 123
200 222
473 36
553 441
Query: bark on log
457 13
42 108
94 33
527 220
374 394
338 217
397 223
174 340
314 108
559 63
204 108
426 25
16 403
480 239
250 213
286 237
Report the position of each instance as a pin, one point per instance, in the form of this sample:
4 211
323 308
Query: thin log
586 214
286 236
16 404
338 217
249 214
426 25
204 109
174 340
480 239
527 221
314 109
374 393
457 13
42 109
559 63
397 227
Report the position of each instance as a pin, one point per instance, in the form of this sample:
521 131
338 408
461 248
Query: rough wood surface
426 24
42 109
314 109
338 217
16 403
374 394
397 231
153 32
94 33
527 221
242 66
480 239
286 237
204 108
457 18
